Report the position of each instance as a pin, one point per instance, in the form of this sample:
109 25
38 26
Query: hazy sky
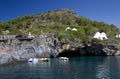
107 11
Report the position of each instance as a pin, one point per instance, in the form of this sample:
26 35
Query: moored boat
33 60
44 59
63 58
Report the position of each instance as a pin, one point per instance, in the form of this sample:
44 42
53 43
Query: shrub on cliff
56 22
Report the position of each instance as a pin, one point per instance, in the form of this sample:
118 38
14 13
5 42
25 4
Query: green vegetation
56 22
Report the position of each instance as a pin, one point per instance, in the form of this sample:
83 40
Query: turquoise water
95 67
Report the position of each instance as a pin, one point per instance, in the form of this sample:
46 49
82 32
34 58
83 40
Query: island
59 33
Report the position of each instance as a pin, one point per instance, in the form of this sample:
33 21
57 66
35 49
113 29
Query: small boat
33 60
44 59
36 60
63 58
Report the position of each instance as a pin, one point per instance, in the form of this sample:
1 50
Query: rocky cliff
44 45
47 45
92 50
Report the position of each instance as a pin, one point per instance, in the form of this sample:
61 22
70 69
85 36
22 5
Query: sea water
84 67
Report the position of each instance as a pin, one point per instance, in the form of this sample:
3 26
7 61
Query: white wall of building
118 36
72 29
100 36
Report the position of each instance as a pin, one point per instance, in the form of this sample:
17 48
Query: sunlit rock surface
44 45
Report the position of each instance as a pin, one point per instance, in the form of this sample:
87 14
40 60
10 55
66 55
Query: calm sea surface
95 67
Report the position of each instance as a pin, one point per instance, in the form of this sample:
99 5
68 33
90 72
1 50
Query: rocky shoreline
42 46
47 45
92 50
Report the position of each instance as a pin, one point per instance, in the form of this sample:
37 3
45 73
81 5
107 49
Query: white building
68 28
118 36
74 29
100 36
30 35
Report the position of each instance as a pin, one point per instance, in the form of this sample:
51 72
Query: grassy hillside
56 22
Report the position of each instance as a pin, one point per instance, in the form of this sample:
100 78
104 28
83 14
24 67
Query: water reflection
56 61
40 64
75 68
63 62
105 69
118 61
103 72
44 64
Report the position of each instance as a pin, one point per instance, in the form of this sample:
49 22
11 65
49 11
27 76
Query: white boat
44 59
63 58
33 60
36 60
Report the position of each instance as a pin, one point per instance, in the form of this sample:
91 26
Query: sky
107 11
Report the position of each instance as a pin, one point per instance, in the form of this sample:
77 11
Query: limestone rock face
42 46
47 45
92 50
